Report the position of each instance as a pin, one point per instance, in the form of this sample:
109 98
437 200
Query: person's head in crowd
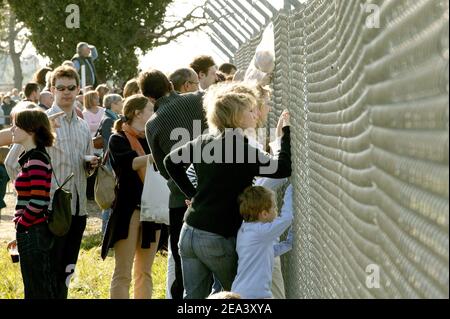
185 80
40 77
228 68
258 204
91 100
15 92
6 99
32 129
23 105
32 92
65 86
154 84
113 102
131 88
137 110
228 109
48 81
46 99
221 77
225 295
206 70
68 63
87 88
102 90
83 49
261 94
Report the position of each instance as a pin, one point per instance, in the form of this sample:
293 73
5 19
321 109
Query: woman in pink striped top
31 129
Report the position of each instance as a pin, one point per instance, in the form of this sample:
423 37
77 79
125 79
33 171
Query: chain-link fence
370 141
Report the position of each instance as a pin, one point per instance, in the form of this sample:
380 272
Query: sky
181 52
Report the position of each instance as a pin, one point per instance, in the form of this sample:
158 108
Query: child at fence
257 244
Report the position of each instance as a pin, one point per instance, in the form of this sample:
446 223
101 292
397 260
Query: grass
92 277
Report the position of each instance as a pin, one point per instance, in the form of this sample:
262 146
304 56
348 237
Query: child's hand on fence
283 122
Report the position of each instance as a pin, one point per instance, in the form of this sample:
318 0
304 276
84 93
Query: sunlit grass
92 277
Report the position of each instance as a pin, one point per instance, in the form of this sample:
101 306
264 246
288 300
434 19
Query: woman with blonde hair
92 113
131 239
102 90
131 88
227 165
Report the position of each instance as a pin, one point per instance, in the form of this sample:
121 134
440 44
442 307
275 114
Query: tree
13 40
116 27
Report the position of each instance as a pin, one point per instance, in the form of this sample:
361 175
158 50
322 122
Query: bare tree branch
190 17
162 40
197 18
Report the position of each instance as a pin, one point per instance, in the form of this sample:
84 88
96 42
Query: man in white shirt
72 146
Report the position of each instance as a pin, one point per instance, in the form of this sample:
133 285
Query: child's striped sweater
33 189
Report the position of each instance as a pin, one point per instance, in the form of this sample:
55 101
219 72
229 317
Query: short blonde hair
255 90
90 99
225 106
254 200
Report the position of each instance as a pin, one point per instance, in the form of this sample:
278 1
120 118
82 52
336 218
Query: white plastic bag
155 197
263 62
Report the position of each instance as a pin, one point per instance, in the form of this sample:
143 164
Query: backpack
60 216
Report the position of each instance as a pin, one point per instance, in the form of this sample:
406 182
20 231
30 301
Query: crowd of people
224 226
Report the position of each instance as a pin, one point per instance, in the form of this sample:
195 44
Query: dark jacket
7 111
215 206
106 126
174 112
128 195
4 179
91 77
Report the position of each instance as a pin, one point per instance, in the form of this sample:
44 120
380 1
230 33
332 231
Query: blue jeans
105 218
204 254
36 262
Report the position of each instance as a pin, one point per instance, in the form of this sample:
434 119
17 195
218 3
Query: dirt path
7 232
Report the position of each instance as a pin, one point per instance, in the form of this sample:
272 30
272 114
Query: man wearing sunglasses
73 143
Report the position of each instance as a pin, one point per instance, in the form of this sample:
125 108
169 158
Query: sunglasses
63 88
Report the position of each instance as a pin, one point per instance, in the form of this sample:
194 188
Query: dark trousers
176 223
66 249
36 262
